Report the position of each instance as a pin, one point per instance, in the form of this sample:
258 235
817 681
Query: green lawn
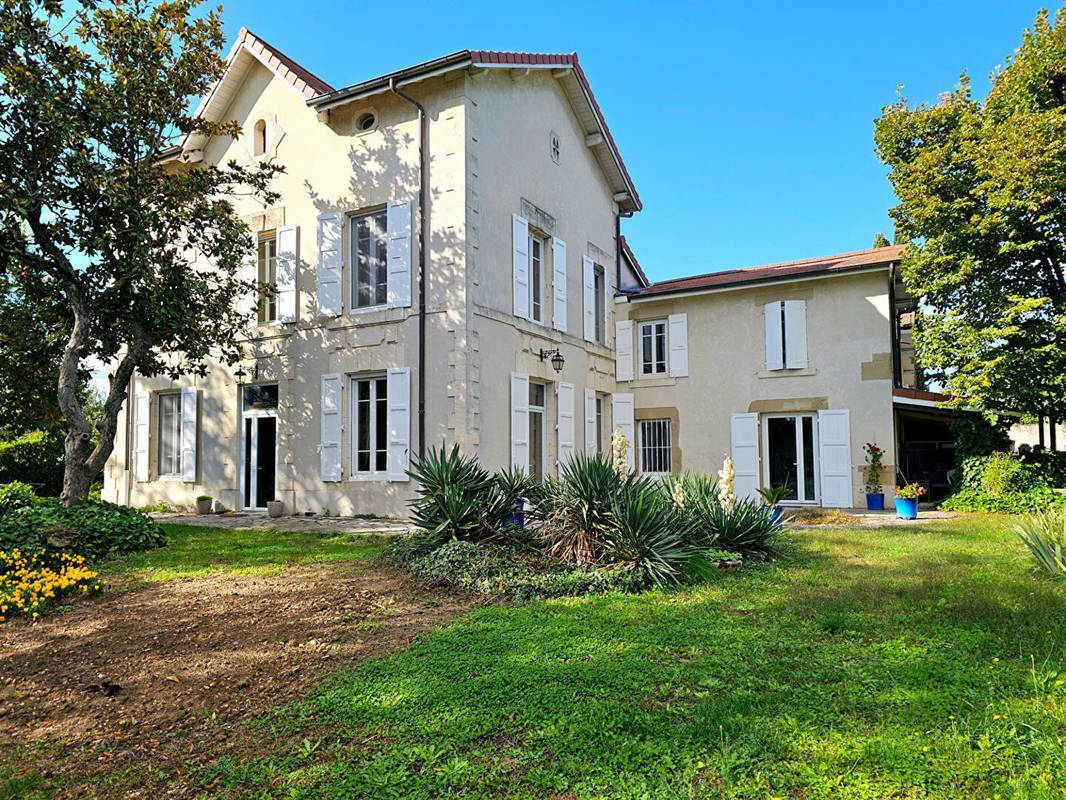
193 551
906 663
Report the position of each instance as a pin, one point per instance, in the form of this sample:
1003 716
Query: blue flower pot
774 513
516 517
906 509
875 501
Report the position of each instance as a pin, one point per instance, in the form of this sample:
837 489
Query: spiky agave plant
1045 536
745 528
574 512
651 537
456 498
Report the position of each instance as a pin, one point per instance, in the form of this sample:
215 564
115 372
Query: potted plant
907 500
275 507
772 497
203 504
871 472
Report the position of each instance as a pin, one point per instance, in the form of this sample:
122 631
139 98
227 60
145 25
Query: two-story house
449 268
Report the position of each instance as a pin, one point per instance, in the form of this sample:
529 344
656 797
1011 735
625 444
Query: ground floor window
169 465
600 422
655 446
537 394
370 421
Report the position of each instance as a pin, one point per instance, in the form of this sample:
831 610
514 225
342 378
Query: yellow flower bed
29 582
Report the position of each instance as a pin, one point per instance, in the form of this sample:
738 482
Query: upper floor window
654 445
259 137
169 435
268 278
370 421
536 278
370 256
599 295
786 334
652 347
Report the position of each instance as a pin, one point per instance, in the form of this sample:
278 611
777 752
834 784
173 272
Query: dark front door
260 460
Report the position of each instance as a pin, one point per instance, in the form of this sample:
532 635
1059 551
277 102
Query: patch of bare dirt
156 675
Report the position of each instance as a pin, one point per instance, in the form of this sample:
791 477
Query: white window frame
264 268
536 277
601 419
353 258
664 452
354 473
167 476
599 304
542 410
665 363
801 474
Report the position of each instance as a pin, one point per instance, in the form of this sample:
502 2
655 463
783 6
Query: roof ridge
305 81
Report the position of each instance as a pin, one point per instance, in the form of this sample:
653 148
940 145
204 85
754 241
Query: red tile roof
842 262
921 394
306 83
627 253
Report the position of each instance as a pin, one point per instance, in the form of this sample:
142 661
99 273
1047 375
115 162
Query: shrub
655 541
102 529
1027 502
459 499
35 458
17 495
29 582
1001 472
748 528
1045 536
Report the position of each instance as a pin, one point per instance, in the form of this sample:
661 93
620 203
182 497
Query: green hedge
1001 472
104 529
35 458
1027 502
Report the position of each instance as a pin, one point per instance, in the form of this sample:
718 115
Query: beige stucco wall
847 344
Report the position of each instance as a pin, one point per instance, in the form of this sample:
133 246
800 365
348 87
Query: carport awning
920 399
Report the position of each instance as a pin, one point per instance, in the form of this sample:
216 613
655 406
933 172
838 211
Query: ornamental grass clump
30 582
1045 536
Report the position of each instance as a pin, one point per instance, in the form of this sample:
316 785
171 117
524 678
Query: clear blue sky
747 127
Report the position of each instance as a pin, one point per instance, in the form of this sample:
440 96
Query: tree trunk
77 475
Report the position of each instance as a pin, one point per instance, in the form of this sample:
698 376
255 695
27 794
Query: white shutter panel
249 301
141 418
520 421
520 265
564 396
328 285
559 284
398 388
796 334
398 230
772 323
678 327
834 455
330 447
588 284
590 422
608 303
287 273
744 441
189 398
623 350
622 420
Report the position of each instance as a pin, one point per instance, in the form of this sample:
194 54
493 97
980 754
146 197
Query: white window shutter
329 448
328 284
744 449
607 305
286 280
623 350
520 421
564 396
796 334
249 301
559 284
398 388
520 265
588 293
142 409
678 336
622 420
398 230
772 323
189 409
590 422
834 456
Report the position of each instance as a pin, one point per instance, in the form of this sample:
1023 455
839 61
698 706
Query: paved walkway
878 519
251 519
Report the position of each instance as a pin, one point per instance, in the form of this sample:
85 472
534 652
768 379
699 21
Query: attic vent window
554 145
259 134
365 122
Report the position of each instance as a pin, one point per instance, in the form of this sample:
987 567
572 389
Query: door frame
764 435
245 416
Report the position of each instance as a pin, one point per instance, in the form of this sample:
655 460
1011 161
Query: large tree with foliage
91 94
982 201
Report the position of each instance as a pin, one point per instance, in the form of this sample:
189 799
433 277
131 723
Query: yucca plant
746 528
651 537
574 512
1045 536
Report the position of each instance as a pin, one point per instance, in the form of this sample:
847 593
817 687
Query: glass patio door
790 450
259 445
